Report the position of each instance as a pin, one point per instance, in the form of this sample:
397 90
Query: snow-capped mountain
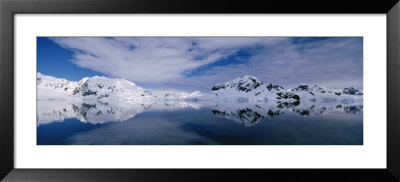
52 87
100 100
245 87
306 92
245 83
352 91
101 88
251 88
94 87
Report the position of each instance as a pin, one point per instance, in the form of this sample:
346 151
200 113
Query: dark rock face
76 90
218 87
38 80
302 88
274 87
352 91
247 87
287 95
84 90
338 93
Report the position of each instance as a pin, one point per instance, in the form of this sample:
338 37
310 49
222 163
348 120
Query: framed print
149 90
168 96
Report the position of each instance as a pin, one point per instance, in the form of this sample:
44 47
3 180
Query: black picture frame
8 8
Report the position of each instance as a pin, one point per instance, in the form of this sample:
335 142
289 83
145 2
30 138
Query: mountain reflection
246 117
244 113
97 112
250 113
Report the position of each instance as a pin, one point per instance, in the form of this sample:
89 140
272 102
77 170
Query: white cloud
150 60
164 61
334 63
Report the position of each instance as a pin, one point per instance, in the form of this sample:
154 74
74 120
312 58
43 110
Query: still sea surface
318 122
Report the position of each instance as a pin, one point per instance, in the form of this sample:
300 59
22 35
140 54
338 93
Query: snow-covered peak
245 83
52 86
97 87
44 79
324 90
352 91
249 87
100 87
245 87
315 89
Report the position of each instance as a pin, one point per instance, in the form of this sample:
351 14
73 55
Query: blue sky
54 60
198 63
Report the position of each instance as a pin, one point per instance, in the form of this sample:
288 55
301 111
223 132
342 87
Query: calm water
197 123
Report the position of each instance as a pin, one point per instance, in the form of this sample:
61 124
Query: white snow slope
245 87
250 88
102 88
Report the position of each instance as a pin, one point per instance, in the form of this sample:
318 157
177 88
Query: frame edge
7 10
393 86
7 90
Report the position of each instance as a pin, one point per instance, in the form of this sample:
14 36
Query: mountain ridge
99 87
244 87
250 87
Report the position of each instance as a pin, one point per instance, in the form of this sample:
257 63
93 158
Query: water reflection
66 122
92 112
250 113
245 113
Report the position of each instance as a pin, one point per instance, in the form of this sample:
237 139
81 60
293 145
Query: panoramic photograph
199 91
